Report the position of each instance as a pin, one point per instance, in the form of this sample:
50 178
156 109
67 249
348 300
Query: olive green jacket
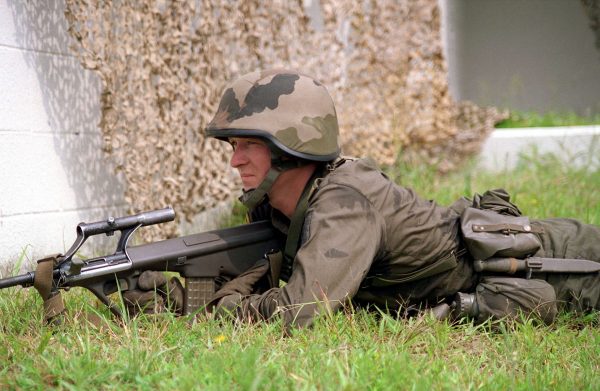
369 240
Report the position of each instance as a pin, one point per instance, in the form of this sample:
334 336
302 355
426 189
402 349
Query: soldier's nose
238 158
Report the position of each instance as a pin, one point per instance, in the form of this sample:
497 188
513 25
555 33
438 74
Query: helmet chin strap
254 197
251 198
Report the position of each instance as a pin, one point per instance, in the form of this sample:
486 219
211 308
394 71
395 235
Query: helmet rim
226 133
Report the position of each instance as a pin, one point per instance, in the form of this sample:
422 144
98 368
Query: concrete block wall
52 171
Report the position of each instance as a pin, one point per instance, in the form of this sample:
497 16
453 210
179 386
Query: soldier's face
252 158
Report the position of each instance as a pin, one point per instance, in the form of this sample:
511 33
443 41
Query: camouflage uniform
367 239
571 239
363 237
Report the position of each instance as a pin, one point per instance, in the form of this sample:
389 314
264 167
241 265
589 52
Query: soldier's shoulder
355 171
359 176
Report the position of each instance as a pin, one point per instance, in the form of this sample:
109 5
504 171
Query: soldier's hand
244 284
154 294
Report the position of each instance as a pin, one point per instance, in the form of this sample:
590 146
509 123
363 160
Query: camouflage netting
163 65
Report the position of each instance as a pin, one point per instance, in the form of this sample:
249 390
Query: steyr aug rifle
199 258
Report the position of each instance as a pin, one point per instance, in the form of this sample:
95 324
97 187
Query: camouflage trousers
500 295
571 239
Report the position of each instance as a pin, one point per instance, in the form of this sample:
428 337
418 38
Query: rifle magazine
198 292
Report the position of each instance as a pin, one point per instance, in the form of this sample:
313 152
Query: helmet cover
291 110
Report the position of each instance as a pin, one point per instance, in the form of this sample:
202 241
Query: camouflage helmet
292 111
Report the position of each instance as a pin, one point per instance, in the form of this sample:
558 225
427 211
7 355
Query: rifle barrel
23 280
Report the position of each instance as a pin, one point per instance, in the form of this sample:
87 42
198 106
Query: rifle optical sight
123 223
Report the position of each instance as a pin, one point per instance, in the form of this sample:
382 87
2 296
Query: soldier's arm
345 234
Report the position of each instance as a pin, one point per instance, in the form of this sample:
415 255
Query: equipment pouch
490 234
502 297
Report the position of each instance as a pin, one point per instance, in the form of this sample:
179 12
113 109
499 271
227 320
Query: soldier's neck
288 188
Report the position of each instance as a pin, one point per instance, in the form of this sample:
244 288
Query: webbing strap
252 198
53 303
297 221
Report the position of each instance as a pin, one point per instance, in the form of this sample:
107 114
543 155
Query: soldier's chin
248 186
247 190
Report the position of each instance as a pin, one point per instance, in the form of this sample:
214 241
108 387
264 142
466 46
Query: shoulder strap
296 223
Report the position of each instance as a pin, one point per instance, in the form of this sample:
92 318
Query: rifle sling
53 303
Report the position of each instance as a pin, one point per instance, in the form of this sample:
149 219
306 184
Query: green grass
352 350
521 119
236 217
541 185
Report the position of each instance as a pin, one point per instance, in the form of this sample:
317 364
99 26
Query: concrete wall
573 145
522 54
52 171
